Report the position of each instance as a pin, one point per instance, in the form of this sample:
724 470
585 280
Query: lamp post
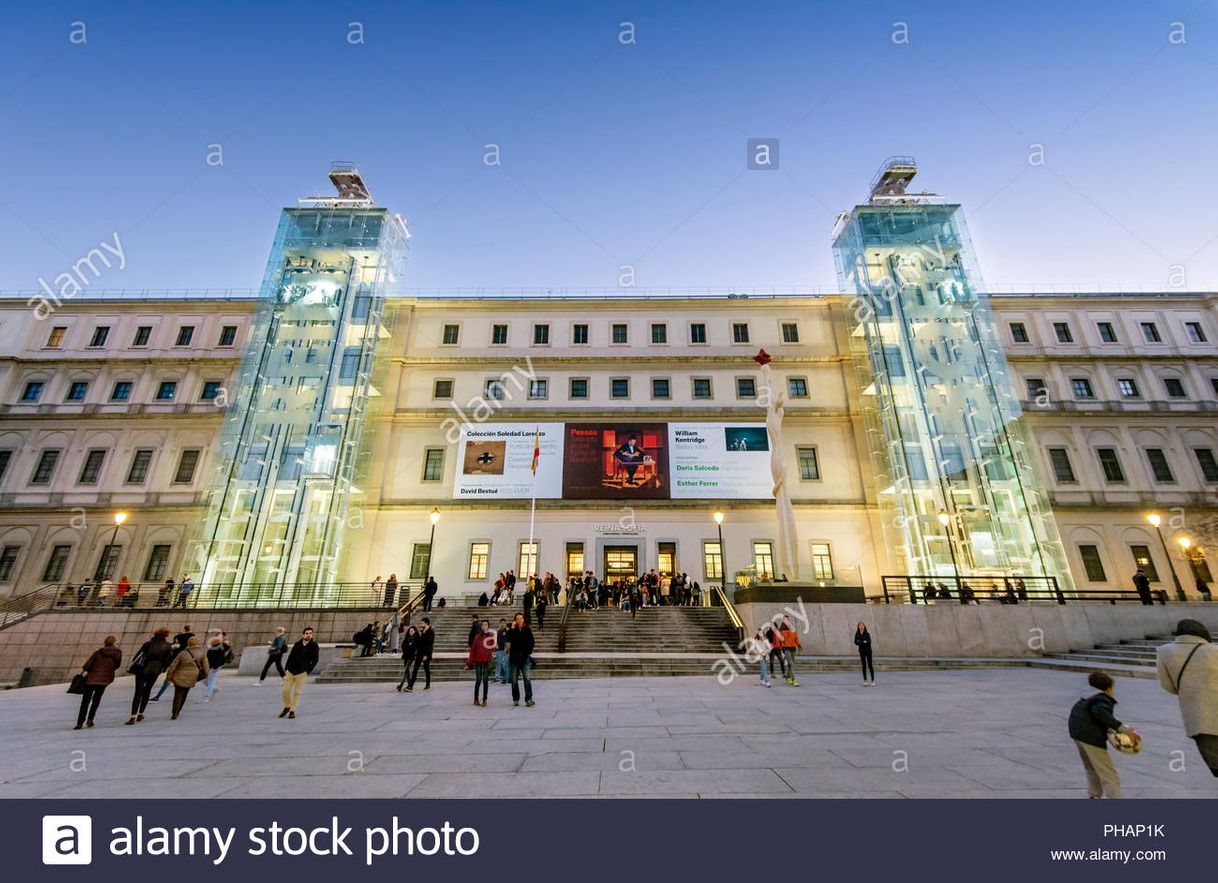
431 541
1186 548
946 521
1155 520
722 551
119 519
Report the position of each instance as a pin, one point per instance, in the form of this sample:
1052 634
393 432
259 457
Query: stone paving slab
984 733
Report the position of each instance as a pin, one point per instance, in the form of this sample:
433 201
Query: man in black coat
1142 585
520 652
429 593
422 656
302 659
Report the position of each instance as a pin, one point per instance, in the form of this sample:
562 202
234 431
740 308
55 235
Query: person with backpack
274 655
1091 718
302 659
99 671
790 644
422 656
1188 669
775 643
410 648
862 640
219 654
150 660
481 650
187 668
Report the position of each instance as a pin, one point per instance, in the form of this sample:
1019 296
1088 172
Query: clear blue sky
611 154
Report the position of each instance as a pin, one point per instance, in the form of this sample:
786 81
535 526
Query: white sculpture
786 563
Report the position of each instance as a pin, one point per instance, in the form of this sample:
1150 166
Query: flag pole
533 509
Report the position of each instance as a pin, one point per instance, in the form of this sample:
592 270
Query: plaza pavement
975 734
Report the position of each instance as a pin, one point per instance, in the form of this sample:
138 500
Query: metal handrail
732 613
1000 590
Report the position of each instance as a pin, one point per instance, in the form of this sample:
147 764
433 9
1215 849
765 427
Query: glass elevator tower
959 485
293 450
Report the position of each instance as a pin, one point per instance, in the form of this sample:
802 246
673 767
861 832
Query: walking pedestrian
187 669
120 594
542 603
219 654
501 656
391 589
302 659
862 640
1090 720
790 643
184 590
429 593
274 655
99 671
422 656
520 660
410 647
180 640
481 650
1188 668
164 595
150 660
1141 585
761 649
775 642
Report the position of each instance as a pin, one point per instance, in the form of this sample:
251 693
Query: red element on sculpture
762 357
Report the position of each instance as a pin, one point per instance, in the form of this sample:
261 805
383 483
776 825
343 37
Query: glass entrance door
621 562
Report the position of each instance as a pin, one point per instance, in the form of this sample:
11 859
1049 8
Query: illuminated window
822 561
575 559
479 558
763 560
712 559
527 559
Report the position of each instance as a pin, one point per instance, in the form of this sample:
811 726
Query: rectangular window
527 560
763 560
100 333
1019 332
92 466
712 559
659 332
420 561
702 388
56 564
797 387
1205 459
55 338
167 390
32 391
1174 387
1092 564
1062 330
666 558
479 559
137 473
121 391
451 335
185 335
541 335
621 333
1063 471
77 390
620 387
579 333
433 464
579 387
107 561
499 335
746 388
697 333
1128 387
1196 334
142 333
809 464
8 559
1110 463
740 332
1159 466
443 389
211 390
494 390
1036 388
158 563
1150 332
1082 388
228 335
539 389
1107 332
575 559
790 332
1143 559
45 470
187 462
660 388
822 561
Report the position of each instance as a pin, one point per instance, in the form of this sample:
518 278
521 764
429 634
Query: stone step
1099 659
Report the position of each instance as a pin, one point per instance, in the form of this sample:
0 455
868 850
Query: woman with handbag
98 671
187 669
1188 668
151 659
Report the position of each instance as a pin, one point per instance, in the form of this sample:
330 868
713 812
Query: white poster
719 460
495 460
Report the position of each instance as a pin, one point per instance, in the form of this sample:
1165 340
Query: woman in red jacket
99 671
481 651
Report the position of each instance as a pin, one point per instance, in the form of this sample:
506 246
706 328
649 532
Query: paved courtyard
987 733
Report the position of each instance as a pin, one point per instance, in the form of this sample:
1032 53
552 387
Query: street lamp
722 551
119 519
431 542
1155 520
946 521
1186 547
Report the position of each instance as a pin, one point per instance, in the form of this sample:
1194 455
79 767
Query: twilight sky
612 152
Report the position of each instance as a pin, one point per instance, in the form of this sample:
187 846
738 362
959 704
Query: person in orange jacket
790 643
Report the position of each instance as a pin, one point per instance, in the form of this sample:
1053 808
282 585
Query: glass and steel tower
959 485
294 445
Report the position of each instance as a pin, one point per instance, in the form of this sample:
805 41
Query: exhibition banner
494 460
719 461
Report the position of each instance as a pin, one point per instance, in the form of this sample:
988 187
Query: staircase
1135 658
659 641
